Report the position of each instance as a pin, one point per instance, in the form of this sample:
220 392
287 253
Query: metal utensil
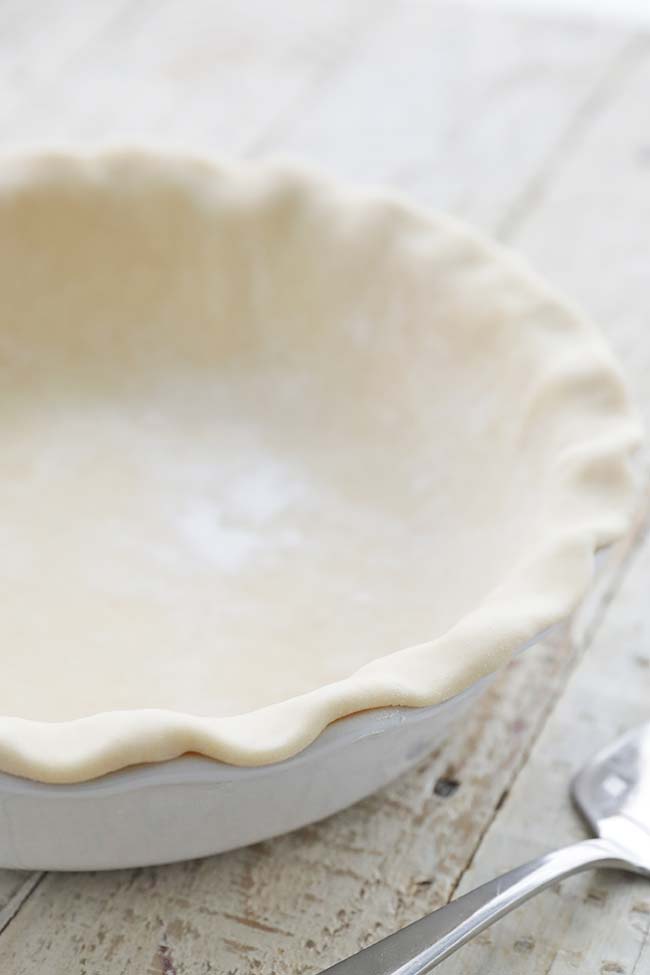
612 792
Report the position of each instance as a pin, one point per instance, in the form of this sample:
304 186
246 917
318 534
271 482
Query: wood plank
457 106
15 887
598 922
585 225
37 42
301 902
174 75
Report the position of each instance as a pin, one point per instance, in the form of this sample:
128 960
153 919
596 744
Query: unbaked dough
274 450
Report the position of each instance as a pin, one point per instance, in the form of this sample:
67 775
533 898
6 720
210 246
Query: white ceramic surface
194 806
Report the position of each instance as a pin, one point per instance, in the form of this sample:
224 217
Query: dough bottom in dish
183 547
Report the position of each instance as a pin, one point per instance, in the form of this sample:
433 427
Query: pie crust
274 450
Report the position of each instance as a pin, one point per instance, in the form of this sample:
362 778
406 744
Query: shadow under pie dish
274 451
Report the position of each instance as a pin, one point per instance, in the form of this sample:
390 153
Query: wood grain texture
586 226
598 922
203 75
532 129
458 106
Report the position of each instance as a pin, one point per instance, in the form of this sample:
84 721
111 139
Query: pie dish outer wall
193 807
593 506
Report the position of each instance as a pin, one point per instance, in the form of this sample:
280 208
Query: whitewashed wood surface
537 129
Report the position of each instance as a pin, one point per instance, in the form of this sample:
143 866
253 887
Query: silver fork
613 793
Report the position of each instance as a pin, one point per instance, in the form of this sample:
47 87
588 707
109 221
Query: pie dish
193 806
274 451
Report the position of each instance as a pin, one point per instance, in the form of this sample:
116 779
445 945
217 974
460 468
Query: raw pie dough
273 451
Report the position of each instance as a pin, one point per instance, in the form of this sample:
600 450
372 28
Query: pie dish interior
274 451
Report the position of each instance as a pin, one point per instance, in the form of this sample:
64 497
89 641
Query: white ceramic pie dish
194 806
275 451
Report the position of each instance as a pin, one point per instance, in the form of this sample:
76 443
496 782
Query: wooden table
537 130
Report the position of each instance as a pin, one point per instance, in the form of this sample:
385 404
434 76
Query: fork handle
419 947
